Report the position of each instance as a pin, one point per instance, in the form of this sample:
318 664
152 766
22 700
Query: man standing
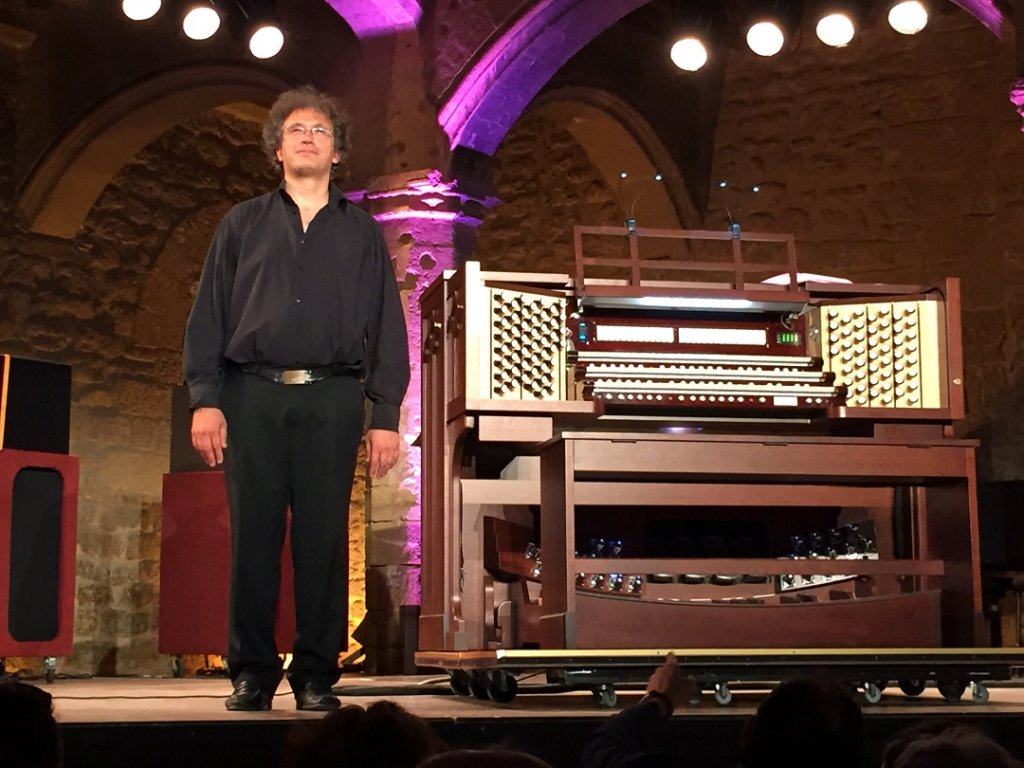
296 318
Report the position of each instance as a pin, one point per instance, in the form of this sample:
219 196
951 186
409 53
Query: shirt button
298 301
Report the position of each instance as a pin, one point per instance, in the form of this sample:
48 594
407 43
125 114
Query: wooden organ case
629 462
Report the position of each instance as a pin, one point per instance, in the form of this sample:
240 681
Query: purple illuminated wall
420 215
372 18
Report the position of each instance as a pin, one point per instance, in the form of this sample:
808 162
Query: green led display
787 337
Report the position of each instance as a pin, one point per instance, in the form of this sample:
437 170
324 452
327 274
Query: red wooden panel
195 558
910 620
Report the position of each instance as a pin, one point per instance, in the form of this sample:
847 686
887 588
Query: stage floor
201 700
168 722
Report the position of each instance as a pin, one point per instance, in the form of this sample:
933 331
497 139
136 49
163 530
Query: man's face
307 144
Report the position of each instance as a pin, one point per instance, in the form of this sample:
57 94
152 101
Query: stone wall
547 184
112 303
895 160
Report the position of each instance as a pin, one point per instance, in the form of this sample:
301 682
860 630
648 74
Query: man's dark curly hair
28 730
307 97
384 735
805 723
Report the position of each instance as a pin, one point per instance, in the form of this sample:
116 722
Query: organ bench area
637 463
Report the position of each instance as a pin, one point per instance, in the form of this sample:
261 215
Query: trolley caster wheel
952 690
459 682
979 693
478 685
872 693
912 687
177 666
723 696
502 687
50 668
605 696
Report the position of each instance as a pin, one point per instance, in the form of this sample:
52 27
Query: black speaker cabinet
35 405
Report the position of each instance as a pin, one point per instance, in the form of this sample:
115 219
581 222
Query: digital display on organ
733 337
636 333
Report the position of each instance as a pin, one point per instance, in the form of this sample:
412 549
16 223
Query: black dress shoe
316 697
248 697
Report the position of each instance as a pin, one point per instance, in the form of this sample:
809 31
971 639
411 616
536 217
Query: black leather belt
294 375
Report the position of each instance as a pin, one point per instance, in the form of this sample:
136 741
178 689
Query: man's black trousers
289 447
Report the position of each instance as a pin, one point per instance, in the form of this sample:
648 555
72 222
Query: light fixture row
765 35
201 21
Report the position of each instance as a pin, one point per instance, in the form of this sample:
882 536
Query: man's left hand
381 451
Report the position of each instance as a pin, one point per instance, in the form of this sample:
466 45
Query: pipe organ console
694 365
704 427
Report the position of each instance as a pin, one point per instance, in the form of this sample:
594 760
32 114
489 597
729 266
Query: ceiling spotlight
695 27
908 17
266 41
201 22
835 29
689 54
765 38
140 10
770 23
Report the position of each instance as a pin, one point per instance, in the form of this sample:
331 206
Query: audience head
805 722
484 758
945 744
28 730
381 736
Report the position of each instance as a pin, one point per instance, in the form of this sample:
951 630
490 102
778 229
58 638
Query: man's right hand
670 681
210 434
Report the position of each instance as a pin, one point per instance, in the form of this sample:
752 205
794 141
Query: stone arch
616 138
495 87
65 183
371 18
989 14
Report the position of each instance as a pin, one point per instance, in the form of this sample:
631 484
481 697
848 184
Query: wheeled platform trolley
495 675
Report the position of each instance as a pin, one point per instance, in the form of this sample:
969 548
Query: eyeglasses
317 131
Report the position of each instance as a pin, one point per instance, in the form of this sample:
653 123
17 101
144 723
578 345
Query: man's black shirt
274 295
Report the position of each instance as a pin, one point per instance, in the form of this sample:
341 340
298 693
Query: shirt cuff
385 416
202 395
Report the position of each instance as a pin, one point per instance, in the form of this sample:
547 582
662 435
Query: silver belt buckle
295 376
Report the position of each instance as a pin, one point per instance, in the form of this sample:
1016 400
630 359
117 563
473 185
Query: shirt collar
335 199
